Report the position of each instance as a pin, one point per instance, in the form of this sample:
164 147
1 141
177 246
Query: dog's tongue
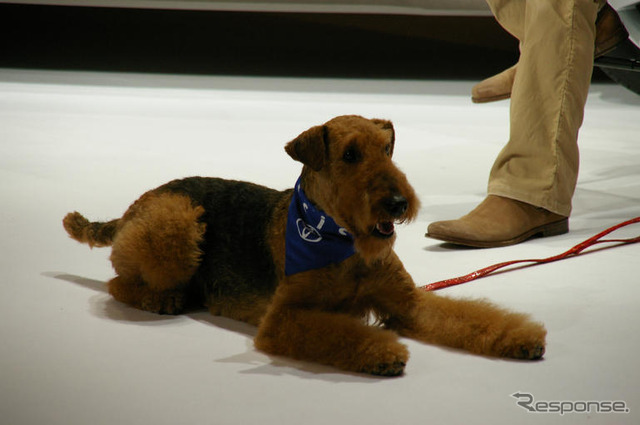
386 227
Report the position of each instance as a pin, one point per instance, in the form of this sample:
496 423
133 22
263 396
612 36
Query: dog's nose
396 205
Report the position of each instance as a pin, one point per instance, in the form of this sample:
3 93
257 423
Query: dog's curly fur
221 244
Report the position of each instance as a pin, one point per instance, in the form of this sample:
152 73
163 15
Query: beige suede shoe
494 88
499 221
609 33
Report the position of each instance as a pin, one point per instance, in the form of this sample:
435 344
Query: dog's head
349 174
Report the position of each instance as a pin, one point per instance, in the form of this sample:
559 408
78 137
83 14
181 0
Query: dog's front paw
171 303
524 341
387 369
535 354
387 359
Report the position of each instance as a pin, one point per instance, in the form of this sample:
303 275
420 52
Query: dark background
255 44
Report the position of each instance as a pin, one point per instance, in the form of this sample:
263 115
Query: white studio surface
94 142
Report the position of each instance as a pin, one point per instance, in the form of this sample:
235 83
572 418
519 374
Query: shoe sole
491 98
550 229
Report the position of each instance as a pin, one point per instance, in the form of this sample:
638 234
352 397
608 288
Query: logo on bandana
308 232
313 239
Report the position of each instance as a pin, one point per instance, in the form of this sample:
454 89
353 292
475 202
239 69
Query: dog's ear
310 147
387 126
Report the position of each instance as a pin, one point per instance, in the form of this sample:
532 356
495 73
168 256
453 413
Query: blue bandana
313 240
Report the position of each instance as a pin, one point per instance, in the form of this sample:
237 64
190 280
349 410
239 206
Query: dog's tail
92 233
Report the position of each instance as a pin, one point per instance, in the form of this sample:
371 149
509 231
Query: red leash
575 251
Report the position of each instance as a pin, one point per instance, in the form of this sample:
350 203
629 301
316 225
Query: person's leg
510 14
609 33
536 171
539 164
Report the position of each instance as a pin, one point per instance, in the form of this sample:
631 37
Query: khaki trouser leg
510 14
539 164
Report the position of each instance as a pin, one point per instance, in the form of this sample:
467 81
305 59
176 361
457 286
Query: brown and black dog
309 266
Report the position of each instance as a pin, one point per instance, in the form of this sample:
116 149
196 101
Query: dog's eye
351 155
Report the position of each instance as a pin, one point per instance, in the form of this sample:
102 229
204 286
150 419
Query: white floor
94 142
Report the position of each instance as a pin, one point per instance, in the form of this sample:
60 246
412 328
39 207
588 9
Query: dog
309 266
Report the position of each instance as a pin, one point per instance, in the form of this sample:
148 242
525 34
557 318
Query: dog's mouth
384 229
